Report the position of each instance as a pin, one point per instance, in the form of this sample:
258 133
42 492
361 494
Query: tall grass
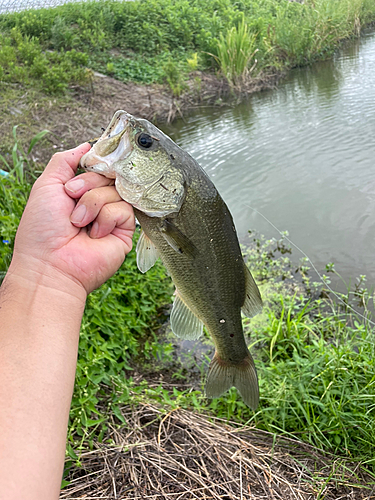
52 47
317 373
20 161
303 33
236 54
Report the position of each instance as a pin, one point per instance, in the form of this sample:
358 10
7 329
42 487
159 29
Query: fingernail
75 185
94 230
78 214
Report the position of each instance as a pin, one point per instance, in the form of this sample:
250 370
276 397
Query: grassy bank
162 41
315 361
160 57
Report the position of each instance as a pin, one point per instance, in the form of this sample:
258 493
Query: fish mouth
113 145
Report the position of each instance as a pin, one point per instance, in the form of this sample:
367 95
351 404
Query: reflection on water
303 155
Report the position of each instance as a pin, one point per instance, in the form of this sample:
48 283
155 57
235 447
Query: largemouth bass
186 223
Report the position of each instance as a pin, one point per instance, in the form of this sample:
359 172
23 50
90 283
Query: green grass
133 41
315 360
315 364
235 53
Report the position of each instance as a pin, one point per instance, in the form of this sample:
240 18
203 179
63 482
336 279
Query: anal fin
223 375
253 301
184 323
147 253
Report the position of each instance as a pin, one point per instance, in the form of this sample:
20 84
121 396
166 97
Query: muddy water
303 155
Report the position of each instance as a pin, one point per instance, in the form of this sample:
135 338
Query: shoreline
79 115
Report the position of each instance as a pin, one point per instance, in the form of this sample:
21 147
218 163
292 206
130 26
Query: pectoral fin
147 253
177 240
184 323
253 301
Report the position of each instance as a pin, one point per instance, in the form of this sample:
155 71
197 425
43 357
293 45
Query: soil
79 115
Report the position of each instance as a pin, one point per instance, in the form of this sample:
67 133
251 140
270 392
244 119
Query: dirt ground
79 115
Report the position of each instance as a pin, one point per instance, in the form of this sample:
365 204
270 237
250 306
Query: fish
186 223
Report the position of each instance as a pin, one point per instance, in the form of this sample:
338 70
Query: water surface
303 155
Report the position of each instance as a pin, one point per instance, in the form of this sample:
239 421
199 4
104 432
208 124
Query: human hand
53 241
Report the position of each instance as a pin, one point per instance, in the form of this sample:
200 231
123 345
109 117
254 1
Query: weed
147 33
20 160
174 77
110 68
235 52
193 62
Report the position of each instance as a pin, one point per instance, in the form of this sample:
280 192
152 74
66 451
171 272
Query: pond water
303 155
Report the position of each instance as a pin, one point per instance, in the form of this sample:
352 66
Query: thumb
63 166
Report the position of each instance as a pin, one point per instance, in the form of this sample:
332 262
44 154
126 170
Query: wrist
29 273
32 304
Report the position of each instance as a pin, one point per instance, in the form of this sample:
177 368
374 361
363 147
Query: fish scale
188 225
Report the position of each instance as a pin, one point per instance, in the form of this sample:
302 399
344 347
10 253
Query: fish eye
145 140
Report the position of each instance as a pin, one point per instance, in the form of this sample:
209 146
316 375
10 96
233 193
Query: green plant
193 62
131 69
110 68
62 35
23 60
235 51
14 189
174 77
20 159
145 34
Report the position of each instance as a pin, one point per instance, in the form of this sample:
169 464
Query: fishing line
313 266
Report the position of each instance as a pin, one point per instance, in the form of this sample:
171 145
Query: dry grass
182 455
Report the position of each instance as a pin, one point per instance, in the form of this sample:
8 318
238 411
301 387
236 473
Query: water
303 155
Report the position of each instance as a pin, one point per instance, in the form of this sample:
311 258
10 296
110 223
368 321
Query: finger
113 215
82 183
63 166
90 204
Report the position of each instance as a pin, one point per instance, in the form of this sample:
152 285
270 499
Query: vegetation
151 41
235 52
315 361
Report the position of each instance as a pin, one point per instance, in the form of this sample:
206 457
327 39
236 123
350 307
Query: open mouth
112 146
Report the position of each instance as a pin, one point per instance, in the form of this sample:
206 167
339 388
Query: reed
236 54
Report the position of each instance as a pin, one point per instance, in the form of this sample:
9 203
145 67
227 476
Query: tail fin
223 375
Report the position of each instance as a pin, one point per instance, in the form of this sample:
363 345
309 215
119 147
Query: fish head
143 161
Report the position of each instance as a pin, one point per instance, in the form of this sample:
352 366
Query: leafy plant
14 189
174 77
193 62
146 33
235 51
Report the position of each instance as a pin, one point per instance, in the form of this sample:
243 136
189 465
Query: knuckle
107 212
58 156
92 197
132 220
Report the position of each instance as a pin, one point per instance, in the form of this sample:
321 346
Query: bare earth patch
184 455
80 115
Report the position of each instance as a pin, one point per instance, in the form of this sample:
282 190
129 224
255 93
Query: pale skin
56 263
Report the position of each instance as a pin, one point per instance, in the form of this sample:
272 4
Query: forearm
39 331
